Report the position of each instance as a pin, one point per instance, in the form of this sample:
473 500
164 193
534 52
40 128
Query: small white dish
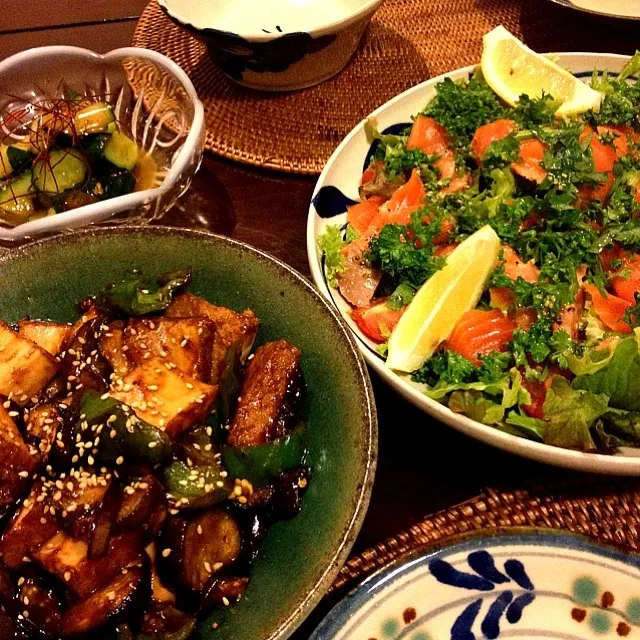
154 99
280 45
521 583
628 10
338 186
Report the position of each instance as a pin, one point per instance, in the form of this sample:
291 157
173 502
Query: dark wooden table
423 466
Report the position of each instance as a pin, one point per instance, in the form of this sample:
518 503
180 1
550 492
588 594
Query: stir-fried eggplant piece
104 522
223 590
111 345
25 368
30 528
8 626
50 336
182 343
41 607
41 427
159 593
270 395
230 327
164 622
65 447
165 398
83 364
67 559
124 597
140 500
200 547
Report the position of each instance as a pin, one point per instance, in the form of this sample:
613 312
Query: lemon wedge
442 300
512 69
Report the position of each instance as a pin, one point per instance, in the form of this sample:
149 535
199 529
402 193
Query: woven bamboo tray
608 511
407 42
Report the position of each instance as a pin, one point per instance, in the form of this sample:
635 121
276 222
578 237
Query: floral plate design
522 583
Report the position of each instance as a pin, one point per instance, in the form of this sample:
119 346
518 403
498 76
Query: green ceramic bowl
299 558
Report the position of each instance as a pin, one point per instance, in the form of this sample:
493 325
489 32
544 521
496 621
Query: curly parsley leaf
461 107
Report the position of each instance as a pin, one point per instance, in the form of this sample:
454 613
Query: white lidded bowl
338 186
276 45
154 100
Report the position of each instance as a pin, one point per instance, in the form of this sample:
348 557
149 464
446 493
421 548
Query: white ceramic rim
318 29
99 211
567 458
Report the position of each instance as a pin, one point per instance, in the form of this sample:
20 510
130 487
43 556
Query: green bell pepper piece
264 463
140 440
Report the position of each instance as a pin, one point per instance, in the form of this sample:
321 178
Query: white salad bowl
153 100
338 186
276 45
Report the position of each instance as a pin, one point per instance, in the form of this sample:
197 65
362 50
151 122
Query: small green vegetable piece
330 243
569 415
263 463
619 380
61 170
140 440
93 145
118 183
93 118
139 294
201 486
121 151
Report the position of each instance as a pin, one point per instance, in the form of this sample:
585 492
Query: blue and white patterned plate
526 584
337 188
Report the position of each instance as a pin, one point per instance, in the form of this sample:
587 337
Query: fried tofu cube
111 343
50 336
270 394
230 327
186 343
165 398
17 461
25 368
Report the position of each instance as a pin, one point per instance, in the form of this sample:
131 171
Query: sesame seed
225 601
152 444
14 414
189 385
165 553
6 404
67 576
207 567
199 529
217 566
20 581
119 460
25 614
24 474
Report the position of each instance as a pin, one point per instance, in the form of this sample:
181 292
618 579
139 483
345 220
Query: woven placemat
607 511
407 42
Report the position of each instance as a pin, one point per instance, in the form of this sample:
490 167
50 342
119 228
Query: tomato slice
538 392
489 133
480 333
610 309
377 321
